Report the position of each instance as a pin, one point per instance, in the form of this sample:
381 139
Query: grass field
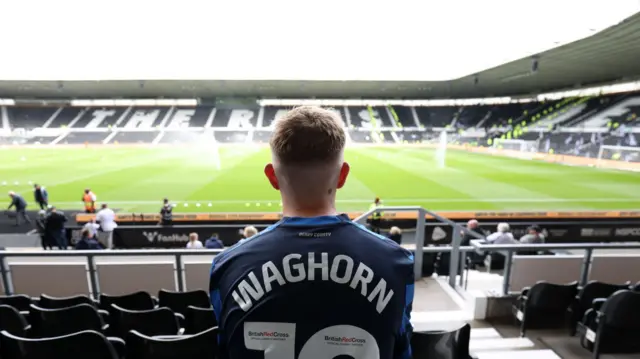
136 180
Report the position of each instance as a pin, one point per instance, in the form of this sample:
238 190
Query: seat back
19 301
622 311
593 290
63 321
86 344
445 344
179 301
550 297
197 320
49 302
202 345
133 301
12 321
158 321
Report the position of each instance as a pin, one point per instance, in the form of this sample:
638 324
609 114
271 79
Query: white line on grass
398 200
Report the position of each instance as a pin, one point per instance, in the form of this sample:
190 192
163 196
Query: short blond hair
308 134
193 236
250 231
395 230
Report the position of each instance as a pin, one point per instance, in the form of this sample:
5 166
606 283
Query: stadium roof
608 56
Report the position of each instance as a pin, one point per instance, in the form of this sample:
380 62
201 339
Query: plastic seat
158 321
197 320
133 301
12 321
544 305
86 344
452 344
63 321
49 302
179 301
584 300
19 301
198 346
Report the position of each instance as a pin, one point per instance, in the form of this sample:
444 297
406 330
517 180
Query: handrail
508 250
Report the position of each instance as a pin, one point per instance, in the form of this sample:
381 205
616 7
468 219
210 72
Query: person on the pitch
41 196
166 213
301 286
20 205
376 217
89 200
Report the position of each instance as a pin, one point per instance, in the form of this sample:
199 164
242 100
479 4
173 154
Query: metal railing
508 250
458 230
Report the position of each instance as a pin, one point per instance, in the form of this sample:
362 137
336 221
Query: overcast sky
286 39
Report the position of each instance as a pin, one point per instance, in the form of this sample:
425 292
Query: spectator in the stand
502 236
107 219
88 241
534 236
395 234
54 226
194 243
41 196
21 207
89 200
249 231
41 223
92 227
166 213
471 225
213 242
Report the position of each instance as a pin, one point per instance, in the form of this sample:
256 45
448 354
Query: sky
403 40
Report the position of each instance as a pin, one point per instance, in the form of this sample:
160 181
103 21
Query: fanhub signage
134 237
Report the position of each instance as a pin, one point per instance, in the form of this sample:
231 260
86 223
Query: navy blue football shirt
314 288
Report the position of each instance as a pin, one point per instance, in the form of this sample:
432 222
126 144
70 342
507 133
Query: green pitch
136 180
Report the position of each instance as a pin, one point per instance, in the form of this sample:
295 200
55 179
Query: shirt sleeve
216 301
403 340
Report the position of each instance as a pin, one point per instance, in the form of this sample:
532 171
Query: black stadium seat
49 302
63 321
452 344
179 301
132 301
584 300
544 305
197 320
158 321
12 321
87 344
198 346
20 301
616 328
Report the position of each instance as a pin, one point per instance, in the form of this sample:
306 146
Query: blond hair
395 230
307 134
193 236
250 231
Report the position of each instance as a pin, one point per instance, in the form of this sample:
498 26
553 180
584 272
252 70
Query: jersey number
278 341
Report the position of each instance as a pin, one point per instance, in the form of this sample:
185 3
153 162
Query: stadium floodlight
516 145
622 154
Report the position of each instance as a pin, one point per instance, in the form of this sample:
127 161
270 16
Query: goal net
609 155
516 145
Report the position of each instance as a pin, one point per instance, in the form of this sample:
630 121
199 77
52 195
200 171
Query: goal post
623 154
517 145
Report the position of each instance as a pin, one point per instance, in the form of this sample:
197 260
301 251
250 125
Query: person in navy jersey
315 284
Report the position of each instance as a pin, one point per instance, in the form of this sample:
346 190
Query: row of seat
547 305
176 301
453 344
